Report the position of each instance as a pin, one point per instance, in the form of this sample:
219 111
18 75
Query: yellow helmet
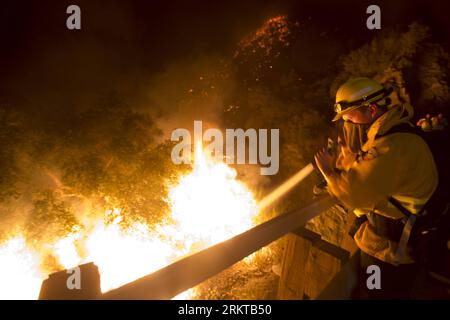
356 93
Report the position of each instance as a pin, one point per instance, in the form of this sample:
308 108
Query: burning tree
97 183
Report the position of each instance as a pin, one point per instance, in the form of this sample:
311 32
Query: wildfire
207 206
20 276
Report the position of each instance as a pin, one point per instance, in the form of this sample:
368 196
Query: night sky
122 44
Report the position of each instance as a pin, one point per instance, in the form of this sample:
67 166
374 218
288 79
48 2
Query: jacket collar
396 115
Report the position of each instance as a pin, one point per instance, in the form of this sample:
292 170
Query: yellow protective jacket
399 165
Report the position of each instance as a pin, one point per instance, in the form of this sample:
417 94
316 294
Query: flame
125 255
66 251
20 277
207 206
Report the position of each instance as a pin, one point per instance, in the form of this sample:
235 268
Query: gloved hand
320 188
356 224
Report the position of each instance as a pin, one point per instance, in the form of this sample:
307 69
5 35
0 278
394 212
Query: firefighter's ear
373 108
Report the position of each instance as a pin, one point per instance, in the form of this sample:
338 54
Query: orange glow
207 206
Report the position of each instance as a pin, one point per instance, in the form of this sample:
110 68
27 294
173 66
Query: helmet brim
386 92
340 114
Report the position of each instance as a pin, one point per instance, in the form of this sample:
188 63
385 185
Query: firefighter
377 164
425 123
439 122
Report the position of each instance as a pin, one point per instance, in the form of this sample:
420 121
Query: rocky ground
254 278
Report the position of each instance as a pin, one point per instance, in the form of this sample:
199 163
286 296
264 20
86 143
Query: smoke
189 90
95 119
85 118
84 127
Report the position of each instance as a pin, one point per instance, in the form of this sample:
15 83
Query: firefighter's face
362 115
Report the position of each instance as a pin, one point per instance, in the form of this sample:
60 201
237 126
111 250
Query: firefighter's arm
365 184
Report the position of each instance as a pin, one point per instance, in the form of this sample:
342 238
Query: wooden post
309 264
